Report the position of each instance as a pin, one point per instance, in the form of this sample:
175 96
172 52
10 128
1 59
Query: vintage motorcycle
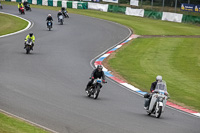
60 19
49 23
94 88
158 100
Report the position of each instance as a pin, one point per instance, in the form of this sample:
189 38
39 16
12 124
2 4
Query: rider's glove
92 77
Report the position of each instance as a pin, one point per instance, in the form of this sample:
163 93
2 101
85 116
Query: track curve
47 86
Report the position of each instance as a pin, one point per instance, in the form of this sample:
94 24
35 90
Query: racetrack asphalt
47 86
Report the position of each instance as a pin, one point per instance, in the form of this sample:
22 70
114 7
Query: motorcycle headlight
161 99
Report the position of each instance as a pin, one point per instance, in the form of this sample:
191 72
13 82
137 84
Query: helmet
20 3
99 67
49 15
31 34
159 78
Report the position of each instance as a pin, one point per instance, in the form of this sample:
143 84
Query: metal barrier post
175 5
163 5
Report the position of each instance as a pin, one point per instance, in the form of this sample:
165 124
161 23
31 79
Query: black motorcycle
28 7
49 25
94 89
65 14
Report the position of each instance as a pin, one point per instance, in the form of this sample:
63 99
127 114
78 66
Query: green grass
176 59
12 125
10 24
141 26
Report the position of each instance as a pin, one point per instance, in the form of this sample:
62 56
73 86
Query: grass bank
10 24
12 125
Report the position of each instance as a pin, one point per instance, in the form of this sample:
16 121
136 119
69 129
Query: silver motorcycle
158 100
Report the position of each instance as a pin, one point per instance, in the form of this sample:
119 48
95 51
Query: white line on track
30 25
35 124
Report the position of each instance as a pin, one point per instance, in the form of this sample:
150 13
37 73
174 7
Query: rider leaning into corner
20 5
97 73
149 95
32 37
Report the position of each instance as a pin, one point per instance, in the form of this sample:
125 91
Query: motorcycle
158 100
60 19
28 46
65 14
49 23
28 8
21 9
94 89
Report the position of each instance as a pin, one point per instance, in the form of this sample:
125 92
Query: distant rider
64 11
59 13
97 73
25 3
20 5
49 18
149 95
32 37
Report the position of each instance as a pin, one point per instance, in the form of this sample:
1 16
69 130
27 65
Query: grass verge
10 24
12 125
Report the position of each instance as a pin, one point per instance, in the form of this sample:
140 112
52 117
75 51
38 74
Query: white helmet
49 15
159 78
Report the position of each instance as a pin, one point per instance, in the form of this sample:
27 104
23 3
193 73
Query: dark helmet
99 67
31 34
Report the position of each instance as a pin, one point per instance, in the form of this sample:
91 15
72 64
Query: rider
20 5
32 37
49 18
25 3
64 11
153 86
97 73
59 13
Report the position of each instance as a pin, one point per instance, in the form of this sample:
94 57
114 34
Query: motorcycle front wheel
158 111
28 49
96 93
